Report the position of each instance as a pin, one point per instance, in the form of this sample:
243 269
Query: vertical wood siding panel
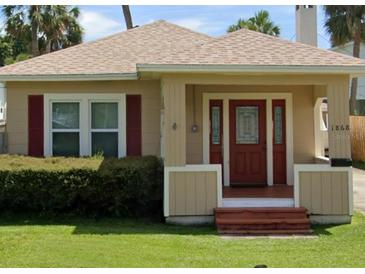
316 192
338 113
211 181
336 193
175 139
190 193
201 195
305 190
180 197
172 193
326 193
345 193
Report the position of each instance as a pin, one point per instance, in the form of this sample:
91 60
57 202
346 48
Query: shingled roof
246 47
163 43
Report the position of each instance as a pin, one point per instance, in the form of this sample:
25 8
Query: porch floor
278 191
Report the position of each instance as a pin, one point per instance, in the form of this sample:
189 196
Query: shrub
132 186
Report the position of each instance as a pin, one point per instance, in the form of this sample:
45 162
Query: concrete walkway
359 189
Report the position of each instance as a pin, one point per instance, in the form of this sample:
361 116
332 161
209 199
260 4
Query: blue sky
99 21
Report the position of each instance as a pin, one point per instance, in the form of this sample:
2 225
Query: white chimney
306 24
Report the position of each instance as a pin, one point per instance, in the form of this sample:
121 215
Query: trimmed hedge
131 186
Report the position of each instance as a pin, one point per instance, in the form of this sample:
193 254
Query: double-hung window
65 128
85 125
104 128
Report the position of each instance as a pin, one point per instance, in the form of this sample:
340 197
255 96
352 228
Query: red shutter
134 125
35 125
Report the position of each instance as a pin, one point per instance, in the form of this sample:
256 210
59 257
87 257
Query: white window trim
63 130
85 118
269 127
118 129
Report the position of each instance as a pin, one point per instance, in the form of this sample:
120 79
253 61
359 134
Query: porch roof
165 45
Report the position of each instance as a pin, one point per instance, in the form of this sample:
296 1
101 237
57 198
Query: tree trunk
127 16
48 46
34 26
356 53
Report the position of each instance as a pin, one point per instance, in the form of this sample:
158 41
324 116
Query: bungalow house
232 117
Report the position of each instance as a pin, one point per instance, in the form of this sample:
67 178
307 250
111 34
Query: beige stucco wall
303 117
17 108
324 193
192 193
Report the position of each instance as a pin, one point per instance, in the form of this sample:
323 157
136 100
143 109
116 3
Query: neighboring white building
2 103
347 49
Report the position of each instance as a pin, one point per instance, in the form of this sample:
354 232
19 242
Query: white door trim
269 126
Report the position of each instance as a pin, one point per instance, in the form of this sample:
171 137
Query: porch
286 169
278 191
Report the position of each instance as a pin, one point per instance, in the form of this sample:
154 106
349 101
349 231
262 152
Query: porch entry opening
247 125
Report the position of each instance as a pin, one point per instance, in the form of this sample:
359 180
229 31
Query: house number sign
340 127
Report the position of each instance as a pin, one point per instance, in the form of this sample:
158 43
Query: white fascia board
353 70
70 77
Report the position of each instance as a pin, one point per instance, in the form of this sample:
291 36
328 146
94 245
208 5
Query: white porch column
339 122
2 101
174 129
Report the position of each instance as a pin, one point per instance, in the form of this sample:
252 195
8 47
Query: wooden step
261 209
261 221
263 227
272 220
266 232
261 213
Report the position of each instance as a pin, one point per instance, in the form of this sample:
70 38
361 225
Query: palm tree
261 22
50 27
60 27
36 20
345 24
127 16
16 29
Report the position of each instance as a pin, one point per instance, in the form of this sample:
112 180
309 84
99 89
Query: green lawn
126 243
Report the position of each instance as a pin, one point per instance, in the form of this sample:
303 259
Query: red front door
247 120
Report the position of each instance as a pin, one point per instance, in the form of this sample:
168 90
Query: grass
18 162
75 242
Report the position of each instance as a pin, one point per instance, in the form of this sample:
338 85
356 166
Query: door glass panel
66 144
216 125
65 115
104 115
278 125
247 125
105 143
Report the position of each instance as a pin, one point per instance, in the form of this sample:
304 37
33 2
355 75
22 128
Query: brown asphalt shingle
245 47
165 43
118 53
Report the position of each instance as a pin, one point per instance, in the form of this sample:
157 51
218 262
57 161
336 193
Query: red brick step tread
267 232
260 209
260 221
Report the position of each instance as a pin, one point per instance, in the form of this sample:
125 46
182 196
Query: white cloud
190 23
97 25
200 25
